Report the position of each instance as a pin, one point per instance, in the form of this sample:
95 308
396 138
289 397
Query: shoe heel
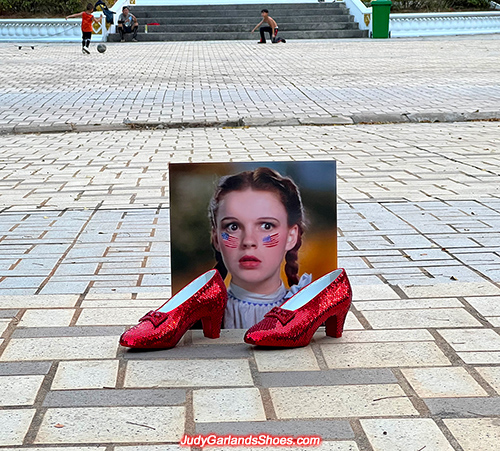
212 325
334 326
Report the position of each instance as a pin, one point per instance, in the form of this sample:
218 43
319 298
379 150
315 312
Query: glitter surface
294 328
159 330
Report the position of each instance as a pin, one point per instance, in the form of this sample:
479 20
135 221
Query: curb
356 119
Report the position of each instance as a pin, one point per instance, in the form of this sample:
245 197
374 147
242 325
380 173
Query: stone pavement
84 252
224 81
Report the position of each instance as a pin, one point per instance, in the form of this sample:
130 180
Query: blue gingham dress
244 308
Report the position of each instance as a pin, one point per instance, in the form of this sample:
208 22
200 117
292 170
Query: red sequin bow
155 317
284 316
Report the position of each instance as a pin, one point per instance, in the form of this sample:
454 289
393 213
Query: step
242 28
256 17
241 7
332 34
165 20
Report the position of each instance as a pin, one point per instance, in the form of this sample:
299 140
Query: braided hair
264 179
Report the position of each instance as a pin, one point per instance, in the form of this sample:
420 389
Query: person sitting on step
267 25
127 23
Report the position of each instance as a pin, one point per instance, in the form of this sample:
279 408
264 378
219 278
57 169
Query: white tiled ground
84 247
225 80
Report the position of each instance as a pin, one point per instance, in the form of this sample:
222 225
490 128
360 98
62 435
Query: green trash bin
380 11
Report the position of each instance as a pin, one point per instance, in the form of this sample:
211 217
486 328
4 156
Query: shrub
438 5
32 8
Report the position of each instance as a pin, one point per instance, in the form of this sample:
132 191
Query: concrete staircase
234 22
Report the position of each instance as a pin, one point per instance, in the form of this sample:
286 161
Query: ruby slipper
326 300
204 298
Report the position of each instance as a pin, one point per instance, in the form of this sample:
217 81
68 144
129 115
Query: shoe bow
155 317
284 316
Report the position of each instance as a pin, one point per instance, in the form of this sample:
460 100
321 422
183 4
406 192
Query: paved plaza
226 81
84 246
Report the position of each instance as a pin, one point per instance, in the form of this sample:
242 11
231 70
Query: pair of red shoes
326 300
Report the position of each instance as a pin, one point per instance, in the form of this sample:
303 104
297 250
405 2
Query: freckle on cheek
229 241
271 240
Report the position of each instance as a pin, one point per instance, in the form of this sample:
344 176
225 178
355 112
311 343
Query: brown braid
265 179
292 261
220 266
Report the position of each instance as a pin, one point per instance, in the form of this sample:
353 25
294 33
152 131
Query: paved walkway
222 81
84 253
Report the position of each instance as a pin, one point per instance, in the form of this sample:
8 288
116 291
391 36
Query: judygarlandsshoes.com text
203 441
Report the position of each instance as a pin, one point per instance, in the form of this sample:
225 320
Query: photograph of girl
259 230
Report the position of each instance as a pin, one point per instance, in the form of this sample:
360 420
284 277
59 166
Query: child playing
87 20
271 27
257 224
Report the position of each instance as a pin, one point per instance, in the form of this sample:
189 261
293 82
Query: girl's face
253 237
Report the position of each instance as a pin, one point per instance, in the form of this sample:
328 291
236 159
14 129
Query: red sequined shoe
326 300
204 298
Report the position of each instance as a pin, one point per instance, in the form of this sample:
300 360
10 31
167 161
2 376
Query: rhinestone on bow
155 317
284 316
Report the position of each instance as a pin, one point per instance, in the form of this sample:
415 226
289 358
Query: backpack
106 11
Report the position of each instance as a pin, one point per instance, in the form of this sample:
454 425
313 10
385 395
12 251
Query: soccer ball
101 48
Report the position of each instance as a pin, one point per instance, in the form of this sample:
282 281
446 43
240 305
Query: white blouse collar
248 296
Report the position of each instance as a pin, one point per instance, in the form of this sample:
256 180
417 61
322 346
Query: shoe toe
137 336
128 339
250 338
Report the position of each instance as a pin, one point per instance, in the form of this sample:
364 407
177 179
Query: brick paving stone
327 377
47 318
24 368
15 424
74 331
367 336
188 373
443 382
8 314
491 375
64 348
463 407
19 390
380 355
302 359
350 401
473 431
116 425
38 301
85 375
399 434
228 404
107 398
420 318
472 339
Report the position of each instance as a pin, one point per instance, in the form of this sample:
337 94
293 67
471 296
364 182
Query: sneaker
123 40
261 42
86 50
134 40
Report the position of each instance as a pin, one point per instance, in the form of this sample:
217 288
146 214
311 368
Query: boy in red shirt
87 20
